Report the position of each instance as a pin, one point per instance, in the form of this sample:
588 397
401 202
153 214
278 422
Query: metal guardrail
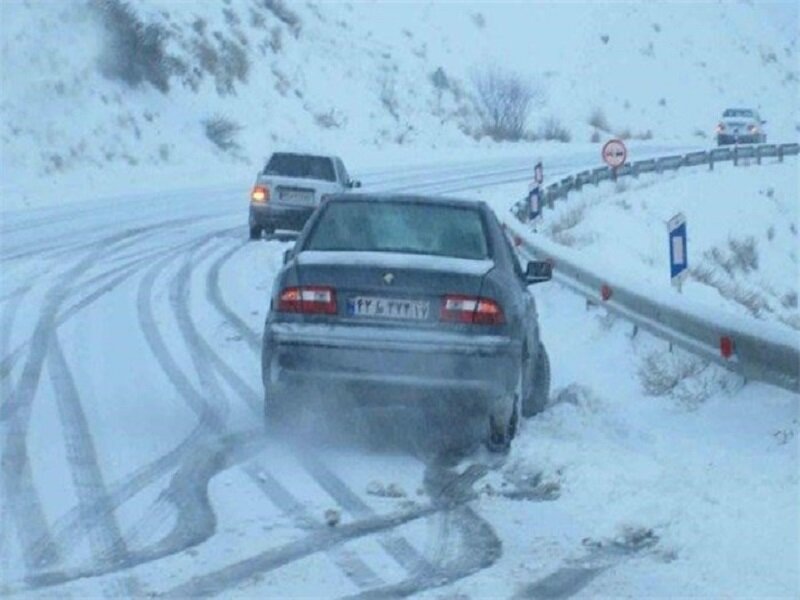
561 189
761 351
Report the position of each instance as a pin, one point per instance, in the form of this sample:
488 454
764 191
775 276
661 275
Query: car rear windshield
302 166
385 226
737 112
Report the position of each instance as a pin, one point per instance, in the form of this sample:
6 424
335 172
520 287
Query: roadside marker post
538 173
534 204
678 257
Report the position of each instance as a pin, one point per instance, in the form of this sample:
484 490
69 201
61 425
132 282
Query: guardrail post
780 153
758 154
736 156
710 161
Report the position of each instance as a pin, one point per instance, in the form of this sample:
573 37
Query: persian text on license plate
297 196
390 308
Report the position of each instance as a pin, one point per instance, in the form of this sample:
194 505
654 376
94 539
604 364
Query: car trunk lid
392 288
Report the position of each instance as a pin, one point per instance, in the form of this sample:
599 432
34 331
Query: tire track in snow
18 489
195 445
206 361
221 580
105 538
37 539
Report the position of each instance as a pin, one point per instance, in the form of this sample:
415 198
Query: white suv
741 126
290 187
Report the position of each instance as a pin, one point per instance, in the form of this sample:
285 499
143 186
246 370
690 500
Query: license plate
388 308
297 196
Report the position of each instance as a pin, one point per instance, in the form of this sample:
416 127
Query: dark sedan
407 301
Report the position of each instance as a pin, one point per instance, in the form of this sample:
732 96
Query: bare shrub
478 20
133 52
741 256
328 120
389 96
661 372
744 254
552 129
595 139
682 376
504 102
222 132
276 39
561 228
440 80
284 14
598 120
789 300
752 300
623 134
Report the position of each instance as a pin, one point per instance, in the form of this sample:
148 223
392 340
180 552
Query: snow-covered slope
100 96
742 233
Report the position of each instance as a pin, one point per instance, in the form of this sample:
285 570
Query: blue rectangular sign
678 256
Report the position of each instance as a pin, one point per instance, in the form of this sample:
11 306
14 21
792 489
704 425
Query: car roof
408 199
301 153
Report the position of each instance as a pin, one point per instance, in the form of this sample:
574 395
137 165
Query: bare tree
504 101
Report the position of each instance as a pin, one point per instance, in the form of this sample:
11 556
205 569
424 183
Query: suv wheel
255 233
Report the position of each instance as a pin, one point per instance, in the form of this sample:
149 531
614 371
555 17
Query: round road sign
614 153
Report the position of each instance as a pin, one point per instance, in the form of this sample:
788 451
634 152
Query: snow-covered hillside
103 96
742 233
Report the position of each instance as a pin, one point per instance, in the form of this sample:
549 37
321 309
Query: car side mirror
287 256
538 271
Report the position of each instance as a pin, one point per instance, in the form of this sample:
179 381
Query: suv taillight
260 194
471 309
311 299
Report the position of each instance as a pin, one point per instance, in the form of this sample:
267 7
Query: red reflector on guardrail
726 347
606 292
517 241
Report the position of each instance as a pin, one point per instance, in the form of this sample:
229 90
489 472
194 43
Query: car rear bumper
379 366
739 139
275 216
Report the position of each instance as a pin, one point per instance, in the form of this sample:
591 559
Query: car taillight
260 194
720 127
471 309
317 300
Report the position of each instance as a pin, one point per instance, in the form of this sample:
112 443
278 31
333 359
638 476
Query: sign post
614 154
538 173
535 194
678 257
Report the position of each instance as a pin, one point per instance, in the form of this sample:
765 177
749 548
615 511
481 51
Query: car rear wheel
255 233
536 395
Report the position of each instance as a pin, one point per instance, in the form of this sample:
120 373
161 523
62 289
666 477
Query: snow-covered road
134 460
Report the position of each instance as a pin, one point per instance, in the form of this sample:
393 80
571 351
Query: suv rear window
302 166
387 226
